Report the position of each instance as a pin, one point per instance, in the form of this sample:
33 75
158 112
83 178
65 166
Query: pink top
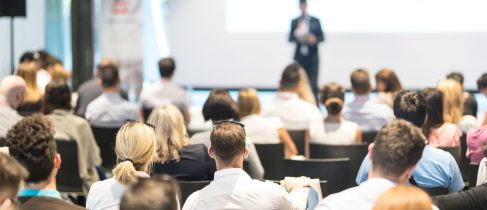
447 135
476 138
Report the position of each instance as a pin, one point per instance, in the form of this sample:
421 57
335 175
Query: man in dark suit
307 34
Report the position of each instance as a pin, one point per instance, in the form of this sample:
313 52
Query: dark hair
397 147
155 193
434 99
26 57
290 77
167 67
389 78
303 2
482 81
227 140
108 75
41 56
411 106
457 76
332 96
57 96
11 174
360 81
31 142
220 106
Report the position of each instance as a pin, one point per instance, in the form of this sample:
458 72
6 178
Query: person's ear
371 147
57 161
245 153
211 153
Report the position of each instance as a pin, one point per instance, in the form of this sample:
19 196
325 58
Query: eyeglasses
228 121
136 121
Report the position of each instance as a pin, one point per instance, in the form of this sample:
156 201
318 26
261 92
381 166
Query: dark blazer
46 203
314 28
472 199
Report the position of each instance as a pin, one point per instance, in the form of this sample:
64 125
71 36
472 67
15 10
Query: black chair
454 151
3 142
464 161
335 171
368 137
189 187
105 138
271 156
146 112
356 153
299 139
472 174
68 178
433 191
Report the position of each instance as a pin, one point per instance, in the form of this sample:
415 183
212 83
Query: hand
311 39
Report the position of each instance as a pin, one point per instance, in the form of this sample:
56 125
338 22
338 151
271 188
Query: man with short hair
31 142
155 193
367 113
11 176
12 91
295 113
232 187
110 110
436 168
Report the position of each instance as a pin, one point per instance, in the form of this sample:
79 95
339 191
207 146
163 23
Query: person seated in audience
404 197
176 156
31 142
32 99
233 188
394 154
439 132
295 113
367 113
305 92
334 129
12 90
110 109
165 91
59 73
155 193
263 130
11 176
452 101
471 199
44 63
387 83
220 106
135 147
476 139
470 106
57 106
436 168
482 86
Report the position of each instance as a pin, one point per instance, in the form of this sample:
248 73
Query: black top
470 106
315 29
194 165
472 199
46 203
29 108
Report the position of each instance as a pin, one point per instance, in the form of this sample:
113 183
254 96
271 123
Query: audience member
156 193
31 142
57 107
33 96
263 130
110 109
470 106
439 132
220 106
482 86
232 187
176 156
476 139
436 168
295 113
43 60
135 147
471 199
305 92
26 57
11 176
59 73
367 113
387 83
404 197
394 154
452 100
12 91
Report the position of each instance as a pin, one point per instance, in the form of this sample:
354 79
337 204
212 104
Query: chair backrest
369 137
356 153
464 161
433 191
189 187
298 137
271 156
335 171
454 151
3 142
146 112
68 178
105 138
472 175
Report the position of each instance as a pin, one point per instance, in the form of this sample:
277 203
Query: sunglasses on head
228 121
136 121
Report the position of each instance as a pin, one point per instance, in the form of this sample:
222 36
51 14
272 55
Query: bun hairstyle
135 147
333 96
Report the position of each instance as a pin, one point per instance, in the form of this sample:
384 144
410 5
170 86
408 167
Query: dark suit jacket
46 203
314 28
472 199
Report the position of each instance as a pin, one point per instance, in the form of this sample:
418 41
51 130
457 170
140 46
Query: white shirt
368 114
482 172
163 92
295 113
262 130
106 194
110 110
234 189
8 118
255 166
42 79
343 133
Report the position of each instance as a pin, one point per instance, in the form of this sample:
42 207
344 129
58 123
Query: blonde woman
135 147
305 93
33 96
404 197
262 130
176 156
452 100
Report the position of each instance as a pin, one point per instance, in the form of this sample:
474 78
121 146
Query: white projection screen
243 43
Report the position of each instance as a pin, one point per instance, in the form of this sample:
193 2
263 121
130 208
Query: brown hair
57 96
220 106
248 102
452 100
11 175
360 81
332 96
227 140
404 197
28 72
155 193
389 78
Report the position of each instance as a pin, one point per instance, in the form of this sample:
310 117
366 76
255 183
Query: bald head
12 88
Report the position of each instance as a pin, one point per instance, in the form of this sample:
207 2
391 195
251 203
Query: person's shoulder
437 156
40 202
338 200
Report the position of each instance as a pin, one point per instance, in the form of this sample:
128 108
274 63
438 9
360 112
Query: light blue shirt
436 168
368 114
39 193
111 110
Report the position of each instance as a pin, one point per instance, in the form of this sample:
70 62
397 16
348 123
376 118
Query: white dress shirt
111 110
295 113
234 189
163 92
262 130
482 172
42 79
368 114
8 118
343 133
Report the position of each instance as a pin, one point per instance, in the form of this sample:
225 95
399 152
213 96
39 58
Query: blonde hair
59 73
305 92
135 147
404 197
452 100
248 102
28 72
170 132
